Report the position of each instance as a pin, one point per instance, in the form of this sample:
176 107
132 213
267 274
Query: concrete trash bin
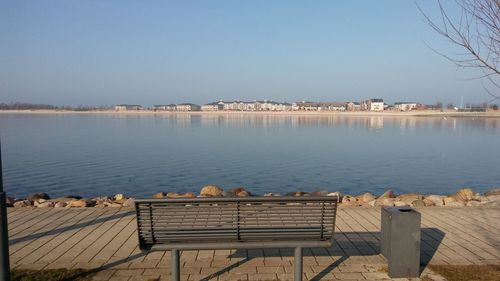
400 241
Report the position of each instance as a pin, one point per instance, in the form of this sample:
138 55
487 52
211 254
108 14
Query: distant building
472 109
167 107
332 106
373 105
127 107
248 106
233 105
307 106
405 106
353 106
188 107
283 106
272 106
239 106
213 106
319 106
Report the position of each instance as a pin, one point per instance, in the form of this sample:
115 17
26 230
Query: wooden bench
235 223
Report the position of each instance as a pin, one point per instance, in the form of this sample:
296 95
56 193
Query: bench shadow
346 245
79 225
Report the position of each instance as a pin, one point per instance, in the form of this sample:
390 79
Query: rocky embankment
462 198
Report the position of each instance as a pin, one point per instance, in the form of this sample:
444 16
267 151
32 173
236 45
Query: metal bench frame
238 207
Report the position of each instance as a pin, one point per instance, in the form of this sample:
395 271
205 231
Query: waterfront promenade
105 239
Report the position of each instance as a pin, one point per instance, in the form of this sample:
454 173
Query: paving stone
321 268
119 278
129 272
262 276
270 269
210 270
144 264
233 276
157 271
376 275
322 277
31 266
277 262
245 269
289 277
352 268
348 275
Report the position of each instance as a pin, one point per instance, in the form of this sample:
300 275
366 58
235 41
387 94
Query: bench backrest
209 220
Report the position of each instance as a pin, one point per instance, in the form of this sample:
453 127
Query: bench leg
176 271
298 264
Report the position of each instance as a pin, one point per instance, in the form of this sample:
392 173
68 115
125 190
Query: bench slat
165 221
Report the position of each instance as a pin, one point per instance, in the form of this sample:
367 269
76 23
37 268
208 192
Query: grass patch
52 275
468 272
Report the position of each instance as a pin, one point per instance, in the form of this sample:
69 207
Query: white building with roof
405 106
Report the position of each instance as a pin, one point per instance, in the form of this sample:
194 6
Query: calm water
90 155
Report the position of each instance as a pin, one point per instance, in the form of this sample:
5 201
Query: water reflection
140 154
270 121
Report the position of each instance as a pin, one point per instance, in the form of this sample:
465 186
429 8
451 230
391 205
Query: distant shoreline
429 113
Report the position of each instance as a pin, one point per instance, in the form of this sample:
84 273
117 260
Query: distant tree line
439 105
31 106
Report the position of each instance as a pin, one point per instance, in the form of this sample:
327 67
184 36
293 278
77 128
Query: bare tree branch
477 31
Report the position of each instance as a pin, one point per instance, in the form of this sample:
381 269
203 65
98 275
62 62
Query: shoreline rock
464 197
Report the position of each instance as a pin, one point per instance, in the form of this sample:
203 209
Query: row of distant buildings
366 105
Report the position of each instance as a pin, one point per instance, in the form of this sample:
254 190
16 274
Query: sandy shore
422 113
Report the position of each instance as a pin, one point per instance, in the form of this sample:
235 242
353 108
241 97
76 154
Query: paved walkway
106 239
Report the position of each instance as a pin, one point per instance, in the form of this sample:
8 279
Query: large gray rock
464 195
495 191
129 202
490 203
418 203
473 203
348 200
385 202
177 195
400 204
236 190
22 203
46 204
450 200
319 193
493 197
455 204
409 198
77 203
211 191
159 195
243 193
60 204
36 196
365 197
434 200
387 194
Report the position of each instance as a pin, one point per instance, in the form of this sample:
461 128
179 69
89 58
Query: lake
139 155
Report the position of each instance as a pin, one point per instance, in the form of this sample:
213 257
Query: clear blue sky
155 52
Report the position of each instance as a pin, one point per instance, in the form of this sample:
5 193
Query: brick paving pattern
106 240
